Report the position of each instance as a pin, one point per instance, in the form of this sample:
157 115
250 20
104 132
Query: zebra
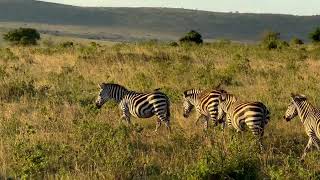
310 118
255 115
205 102
140 105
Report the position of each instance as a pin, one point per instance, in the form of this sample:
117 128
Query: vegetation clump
296 41
192 37
271 40
315 35
67 44
22 36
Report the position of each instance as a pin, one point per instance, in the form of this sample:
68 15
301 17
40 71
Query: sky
295 7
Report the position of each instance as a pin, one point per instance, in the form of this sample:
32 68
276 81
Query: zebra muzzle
287 119
98 106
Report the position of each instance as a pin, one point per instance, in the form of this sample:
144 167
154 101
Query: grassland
50 128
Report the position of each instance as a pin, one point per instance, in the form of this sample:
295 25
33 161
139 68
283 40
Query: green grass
50 127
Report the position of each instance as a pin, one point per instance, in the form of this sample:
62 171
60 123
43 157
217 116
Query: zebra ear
185 93
102 85
302 96
293 95
219 86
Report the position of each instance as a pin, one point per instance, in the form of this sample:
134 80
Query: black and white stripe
140 105
309 116
205 102
254 115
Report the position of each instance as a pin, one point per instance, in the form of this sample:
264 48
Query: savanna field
50 127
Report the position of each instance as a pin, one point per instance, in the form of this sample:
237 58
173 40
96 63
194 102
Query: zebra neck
304 109
118 96
228 103
195 100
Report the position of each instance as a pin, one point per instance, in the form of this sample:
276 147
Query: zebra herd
217 105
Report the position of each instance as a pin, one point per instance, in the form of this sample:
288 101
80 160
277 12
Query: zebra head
291 111
103 95
189 98
108 92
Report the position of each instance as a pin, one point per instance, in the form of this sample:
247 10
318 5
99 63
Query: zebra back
254 114
206 102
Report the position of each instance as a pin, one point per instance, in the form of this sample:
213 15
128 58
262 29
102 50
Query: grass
50 127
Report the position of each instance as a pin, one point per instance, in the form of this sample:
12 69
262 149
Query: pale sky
296 7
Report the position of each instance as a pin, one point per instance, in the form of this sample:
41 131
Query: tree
315 35
22 36
192 36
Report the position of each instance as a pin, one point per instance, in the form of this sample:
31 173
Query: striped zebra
140 105
205 102
309 116
254 115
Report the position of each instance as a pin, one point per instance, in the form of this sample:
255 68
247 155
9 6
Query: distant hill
140 23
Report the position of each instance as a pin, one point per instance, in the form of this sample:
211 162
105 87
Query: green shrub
315 35
22 36
192 37
67 44
296 41
35 161
173 44
271 40
238 161
14 90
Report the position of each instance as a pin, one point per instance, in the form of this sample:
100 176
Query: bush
296 41
173 44
315 35
271 40
22 36
270 36
67 44
14 90
192 37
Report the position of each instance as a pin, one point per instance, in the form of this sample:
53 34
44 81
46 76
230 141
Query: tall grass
50 128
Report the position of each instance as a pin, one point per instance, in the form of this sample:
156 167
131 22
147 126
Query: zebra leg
167 123
206 123
260 142
199 116
316 144
125 112
126 116
163 116
260 135
307 149
158 125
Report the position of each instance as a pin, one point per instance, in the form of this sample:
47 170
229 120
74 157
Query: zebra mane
104 85
191 92
229 95
298 96
301 100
